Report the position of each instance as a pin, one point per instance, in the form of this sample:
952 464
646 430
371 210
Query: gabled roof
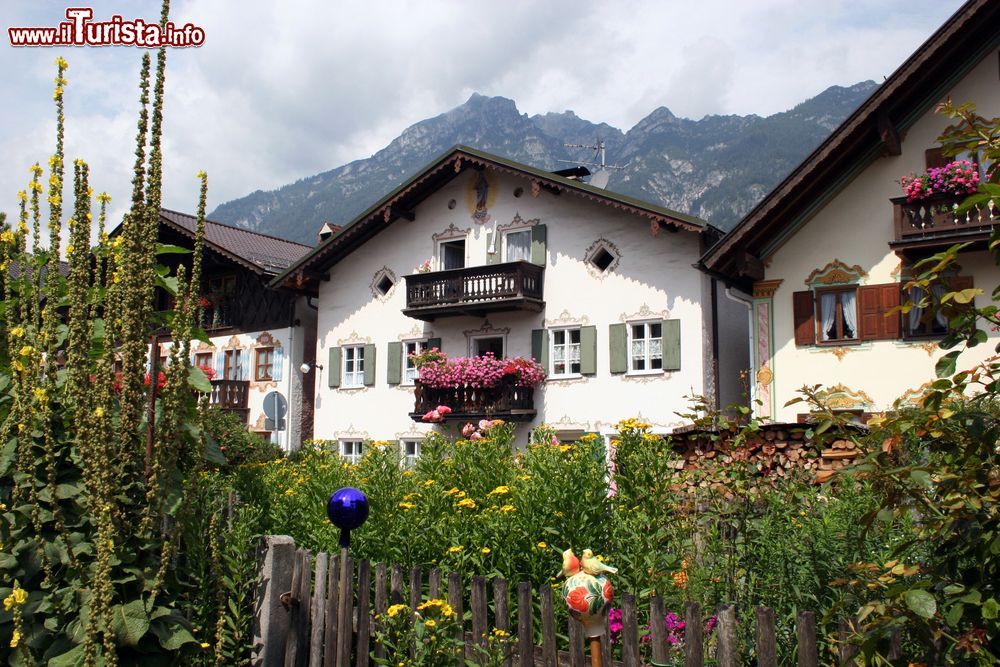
874 129
258 252
402 200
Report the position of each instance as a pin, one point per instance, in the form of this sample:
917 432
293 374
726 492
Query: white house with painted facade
478 254
825 255
258 336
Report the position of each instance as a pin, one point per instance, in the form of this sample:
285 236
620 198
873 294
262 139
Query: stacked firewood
778 450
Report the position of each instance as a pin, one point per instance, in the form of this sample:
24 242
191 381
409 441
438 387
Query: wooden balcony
506 401
933 221
475 290
232 395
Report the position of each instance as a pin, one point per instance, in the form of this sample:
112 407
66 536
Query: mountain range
716 168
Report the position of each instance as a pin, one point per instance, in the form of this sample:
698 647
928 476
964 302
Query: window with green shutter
645 347
333 367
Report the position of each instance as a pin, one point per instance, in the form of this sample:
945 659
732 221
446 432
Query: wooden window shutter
869 313
369 365
588 350
889 295
804 318
540 347
333 367
671 330
538 242
933 157
393 363
277 364
434 342
618 346
874 301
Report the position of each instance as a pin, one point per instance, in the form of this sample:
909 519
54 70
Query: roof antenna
603 173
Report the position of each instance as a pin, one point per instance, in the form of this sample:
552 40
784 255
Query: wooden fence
318 611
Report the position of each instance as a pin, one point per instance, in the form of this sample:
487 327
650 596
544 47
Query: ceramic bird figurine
594 567
588 596
571 564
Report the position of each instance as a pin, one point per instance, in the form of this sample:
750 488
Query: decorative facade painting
480 197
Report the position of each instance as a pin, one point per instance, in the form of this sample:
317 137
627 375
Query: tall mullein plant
89 495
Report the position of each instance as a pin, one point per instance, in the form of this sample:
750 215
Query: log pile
777 450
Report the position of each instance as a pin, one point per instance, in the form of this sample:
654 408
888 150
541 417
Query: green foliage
234 441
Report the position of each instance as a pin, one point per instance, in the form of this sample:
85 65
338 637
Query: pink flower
432 416
484 424
476 436
555 440
468 430
443 410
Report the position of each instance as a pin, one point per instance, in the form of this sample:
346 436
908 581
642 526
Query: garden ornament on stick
347 510
588 594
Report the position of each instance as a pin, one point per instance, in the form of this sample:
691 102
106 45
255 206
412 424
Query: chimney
327 230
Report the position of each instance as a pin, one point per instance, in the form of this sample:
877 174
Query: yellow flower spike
40 394
15 638
61 63
7 236
98 412
69 250
201 174
22 195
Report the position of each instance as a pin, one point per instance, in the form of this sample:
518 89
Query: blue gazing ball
347 508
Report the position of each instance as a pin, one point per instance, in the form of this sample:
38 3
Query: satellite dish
600 178
275 409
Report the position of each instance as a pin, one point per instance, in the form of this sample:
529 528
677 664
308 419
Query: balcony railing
221 315
476 290
232 395
935 218
506 401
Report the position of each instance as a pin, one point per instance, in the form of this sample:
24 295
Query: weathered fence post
364 614
318 612
501 610
805 636
477 600
693 639
332 612
728 652
550 651
275 556
659 633
525 625
630 631
416 583
575 643
455 600
396 585
848 650
345 615
767 650
380 604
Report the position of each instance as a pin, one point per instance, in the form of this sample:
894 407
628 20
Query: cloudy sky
283 90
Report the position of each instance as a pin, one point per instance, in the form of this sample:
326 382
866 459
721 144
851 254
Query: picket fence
318 612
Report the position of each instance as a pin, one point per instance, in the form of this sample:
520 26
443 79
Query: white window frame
473 339
647 358
420 345
510 232
440 251
567 345
352 371
409 460
356 447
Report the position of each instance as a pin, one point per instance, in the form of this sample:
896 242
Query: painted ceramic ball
588 598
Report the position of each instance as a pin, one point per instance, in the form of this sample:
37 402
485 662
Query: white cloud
281 91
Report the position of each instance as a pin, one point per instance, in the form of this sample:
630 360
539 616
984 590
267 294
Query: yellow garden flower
407 506
500 491
485 551
205 644
508 508
15 638
61 63
468 503
17 332
15 599
455 549
430 623
26 350
542 545
98 412
40 394
395 609
7 236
